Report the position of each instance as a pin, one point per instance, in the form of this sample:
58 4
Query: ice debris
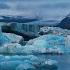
25 63
4 39
53 44
50 62
47 44
13 37
54 30
13 48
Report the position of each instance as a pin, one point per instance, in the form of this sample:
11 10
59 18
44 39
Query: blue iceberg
27 62
4 39
44 44
47 44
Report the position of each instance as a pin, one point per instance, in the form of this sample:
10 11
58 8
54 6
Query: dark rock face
65 23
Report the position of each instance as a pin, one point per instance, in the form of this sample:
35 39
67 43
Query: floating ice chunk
31 58
50 62
54 30
34 49
4 39
28 57
55 50
9 65
13 48
34 60
68 41
42 44
45 29
49 65
19 62
25 66
6 57
17 57
28 62
47 43
13 37
2 58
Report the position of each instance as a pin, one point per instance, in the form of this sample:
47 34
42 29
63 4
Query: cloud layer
45 8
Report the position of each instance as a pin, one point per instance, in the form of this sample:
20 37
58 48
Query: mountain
65 23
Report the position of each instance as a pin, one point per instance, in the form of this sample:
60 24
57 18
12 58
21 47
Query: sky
44 8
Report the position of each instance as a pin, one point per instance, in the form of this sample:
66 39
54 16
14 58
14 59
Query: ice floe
47 44
13 37
54 30
6 38
28 62
53 44
3 39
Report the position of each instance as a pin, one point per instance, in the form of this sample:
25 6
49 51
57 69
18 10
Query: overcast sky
46 8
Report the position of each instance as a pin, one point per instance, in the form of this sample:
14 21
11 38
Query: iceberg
18 62
51 44
49 65
9 65
67 43
47 44
25 66
13 37
3 39
9 38
54 30
27 62
50 62
11 48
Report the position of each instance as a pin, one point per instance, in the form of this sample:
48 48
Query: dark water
63 60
